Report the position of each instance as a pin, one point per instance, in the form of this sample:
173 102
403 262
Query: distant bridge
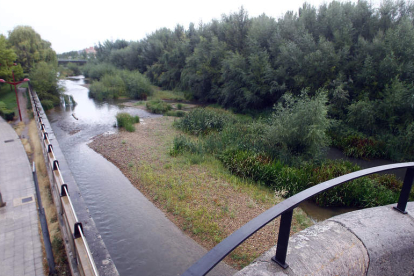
77 61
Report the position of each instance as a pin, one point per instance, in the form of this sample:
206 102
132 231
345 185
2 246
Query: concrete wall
374 241
100 254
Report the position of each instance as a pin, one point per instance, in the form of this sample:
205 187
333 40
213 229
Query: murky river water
140 239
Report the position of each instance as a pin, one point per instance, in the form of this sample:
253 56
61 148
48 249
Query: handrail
285 209
78 230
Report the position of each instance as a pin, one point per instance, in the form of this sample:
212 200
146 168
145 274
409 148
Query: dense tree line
27 54
362 56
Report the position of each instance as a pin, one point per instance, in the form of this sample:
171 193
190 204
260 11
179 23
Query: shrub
201 121
183 144
109 87
126 121
97 71
137 85
74 68
158 106
47 104
175 113
298 126
258 167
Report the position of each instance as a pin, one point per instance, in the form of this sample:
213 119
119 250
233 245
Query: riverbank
196 193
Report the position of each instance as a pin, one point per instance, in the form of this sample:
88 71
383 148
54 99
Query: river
139 238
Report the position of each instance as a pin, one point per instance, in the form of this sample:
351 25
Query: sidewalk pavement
20 245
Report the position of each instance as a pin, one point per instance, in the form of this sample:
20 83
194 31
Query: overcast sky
78 24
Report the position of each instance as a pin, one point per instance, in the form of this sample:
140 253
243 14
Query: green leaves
30 48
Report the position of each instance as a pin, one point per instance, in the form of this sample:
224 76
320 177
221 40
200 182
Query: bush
201 121
137 85
258 167
175 113
74 68
127 121
97 71
120 83
298 127
45 82
158 106
362 192
183 144
47 104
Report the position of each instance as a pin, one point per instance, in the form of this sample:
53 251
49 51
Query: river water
140 239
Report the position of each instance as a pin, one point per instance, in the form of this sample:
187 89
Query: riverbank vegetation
109 82
126 121
195 191
357 53
273 153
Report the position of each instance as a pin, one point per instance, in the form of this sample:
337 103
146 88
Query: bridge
77 61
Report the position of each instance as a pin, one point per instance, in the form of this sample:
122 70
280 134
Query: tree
7 58
44 80
30 48
298 126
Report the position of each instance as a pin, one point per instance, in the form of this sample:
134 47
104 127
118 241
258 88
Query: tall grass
124 120
243 148
158 106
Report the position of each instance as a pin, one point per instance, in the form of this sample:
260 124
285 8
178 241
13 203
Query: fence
71 227
285 209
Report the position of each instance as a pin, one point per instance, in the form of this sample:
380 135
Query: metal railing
78 241
285 209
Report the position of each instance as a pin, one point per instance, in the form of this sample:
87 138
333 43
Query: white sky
78 24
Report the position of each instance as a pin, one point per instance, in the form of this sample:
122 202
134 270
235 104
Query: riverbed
139 238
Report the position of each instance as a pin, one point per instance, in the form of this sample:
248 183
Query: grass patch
8 96
167 95
124 120
158 106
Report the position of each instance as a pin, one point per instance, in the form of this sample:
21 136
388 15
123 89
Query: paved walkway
20 246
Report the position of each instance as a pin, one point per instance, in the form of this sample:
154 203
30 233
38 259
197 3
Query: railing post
283 239
2 204
405 191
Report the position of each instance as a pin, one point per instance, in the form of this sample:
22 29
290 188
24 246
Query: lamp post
15 89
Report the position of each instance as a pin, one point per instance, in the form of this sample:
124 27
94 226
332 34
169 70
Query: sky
78 24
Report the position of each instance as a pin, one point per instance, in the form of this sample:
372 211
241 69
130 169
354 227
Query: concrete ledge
375 241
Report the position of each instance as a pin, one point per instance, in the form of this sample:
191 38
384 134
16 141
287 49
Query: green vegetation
112 83
74 68
6 113
30 48
281 152
45 82
356 53
158 106
34 58
127 121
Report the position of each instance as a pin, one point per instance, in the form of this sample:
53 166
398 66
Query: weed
127 121
158 106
